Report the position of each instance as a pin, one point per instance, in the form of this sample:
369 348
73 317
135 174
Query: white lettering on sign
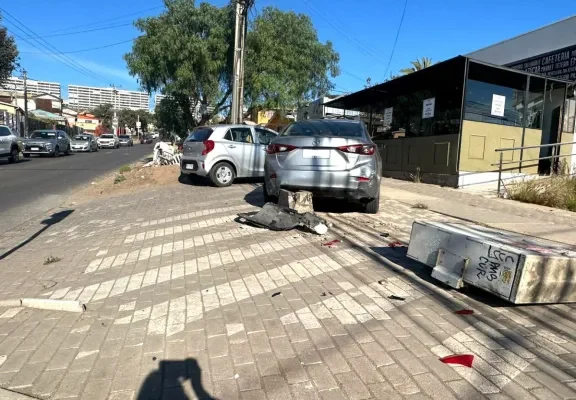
428 108
498 105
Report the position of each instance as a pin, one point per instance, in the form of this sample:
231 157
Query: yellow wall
9 108
480 140
433 154
262 117
87 126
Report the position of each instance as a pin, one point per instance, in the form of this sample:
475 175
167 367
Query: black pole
25 104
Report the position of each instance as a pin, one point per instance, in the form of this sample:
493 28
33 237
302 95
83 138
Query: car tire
373 205
26 155
14 156
267 197
56 152
68 151
222 174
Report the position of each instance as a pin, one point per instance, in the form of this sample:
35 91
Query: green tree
286 65
417 65
8 54
186 53
105 113
130 117
169 118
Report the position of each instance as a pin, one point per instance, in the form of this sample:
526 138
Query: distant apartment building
86 97
34 87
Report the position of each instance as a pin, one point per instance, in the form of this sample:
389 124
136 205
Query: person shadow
175 380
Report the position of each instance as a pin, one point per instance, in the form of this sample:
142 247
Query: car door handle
231 146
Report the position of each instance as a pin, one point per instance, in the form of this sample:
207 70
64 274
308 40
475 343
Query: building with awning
443 124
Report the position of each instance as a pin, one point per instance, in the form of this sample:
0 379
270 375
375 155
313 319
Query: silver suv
9 146
226 152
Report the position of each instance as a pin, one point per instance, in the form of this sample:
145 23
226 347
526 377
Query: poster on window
388 116
428 107
498 103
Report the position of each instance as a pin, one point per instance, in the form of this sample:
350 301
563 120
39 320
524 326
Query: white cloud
106 71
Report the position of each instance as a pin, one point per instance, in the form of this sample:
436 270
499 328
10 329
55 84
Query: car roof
337 121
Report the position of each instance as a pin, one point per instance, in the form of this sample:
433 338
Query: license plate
34 148
313 153
190 166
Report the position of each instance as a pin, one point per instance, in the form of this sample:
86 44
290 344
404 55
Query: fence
555 158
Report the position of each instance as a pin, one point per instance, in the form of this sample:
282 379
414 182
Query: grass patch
125 168
556 192
421 206
119 178
51 260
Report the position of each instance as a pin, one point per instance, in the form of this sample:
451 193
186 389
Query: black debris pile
278 218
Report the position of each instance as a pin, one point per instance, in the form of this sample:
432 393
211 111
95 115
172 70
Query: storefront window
570 111
535 103
495 96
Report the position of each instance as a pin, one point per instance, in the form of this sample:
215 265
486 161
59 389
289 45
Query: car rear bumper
331 184
107 145
194 166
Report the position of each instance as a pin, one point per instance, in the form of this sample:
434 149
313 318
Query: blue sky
362 31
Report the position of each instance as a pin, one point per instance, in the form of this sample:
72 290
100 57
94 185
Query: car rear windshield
43 135
84 137
200 135
107 136
325 128
124 137
4 131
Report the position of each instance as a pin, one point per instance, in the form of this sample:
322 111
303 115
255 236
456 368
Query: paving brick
433 387
226 390
321 376
267 364
348 346
303 391
282 347
96 390
254 395
544 394
293 370
366 370
276 388
15 361
71 385
249 378
353 386
554 385
26 376
464 391
221 368
307 353
409 362
47 383
384 391
259 342
217 346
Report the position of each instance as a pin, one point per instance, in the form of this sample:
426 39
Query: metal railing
554 164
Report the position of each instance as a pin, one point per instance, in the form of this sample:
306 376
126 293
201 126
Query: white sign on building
428 108
388 116
498 103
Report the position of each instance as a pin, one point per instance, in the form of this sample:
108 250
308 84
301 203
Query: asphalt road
38 184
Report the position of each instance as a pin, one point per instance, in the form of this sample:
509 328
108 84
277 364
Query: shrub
125 168
119 178
556 191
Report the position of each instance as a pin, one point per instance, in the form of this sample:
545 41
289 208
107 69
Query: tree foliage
169 116
105 113
417 65
186 53
286 65
8 54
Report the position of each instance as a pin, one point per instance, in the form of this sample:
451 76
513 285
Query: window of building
570 111
495 95
535 103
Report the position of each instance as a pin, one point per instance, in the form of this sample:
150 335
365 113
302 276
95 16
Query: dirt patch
134 180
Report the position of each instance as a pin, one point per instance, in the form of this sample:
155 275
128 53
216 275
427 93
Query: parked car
226 152
84 142
108 140
125 140
146 139
47 142
330 158
9 146
155 135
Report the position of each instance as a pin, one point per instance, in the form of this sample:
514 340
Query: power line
396 40
108 20
353 42
83 31
62 58
84 50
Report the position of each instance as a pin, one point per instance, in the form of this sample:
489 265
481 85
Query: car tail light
273 176
365 149
363 179
279 148
208 147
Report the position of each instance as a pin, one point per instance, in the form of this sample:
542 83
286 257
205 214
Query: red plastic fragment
331 243
464 312
395 244
462 359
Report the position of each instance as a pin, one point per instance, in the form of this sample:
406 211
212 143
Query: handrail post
500 171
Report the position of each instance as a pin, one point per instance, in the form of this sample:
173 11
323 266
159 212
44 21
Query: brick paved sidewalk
183 302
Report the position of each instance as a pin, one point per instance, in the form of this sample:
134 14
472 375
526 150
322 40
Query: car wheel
56 152
268 198
222 174
68 150
14 156
373 205
26 155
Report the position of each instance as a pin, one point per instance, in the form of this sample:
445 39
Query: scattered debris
324 294
301 202
395 244
381 281
462 359
93 183
49 284
421 206
51 260
394 297
464 312
331 243
384 234
278 218
236 376
154 358
276 294
164 154
119 178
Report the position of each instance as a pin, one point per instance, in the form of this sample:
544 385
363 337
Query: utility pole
25 76
115 118
240 29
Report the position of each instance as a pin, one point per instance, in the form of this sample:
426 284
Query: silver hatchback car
226 152
330 158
